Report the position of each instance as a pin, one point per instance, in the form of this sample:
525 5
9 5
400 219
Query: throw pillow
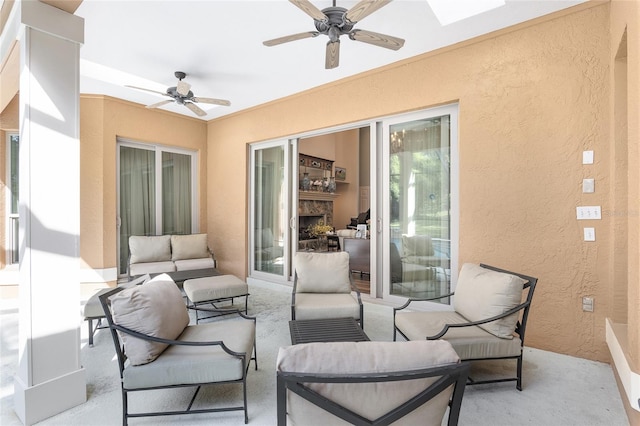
150 248
482 293
193 246
323 272
155 308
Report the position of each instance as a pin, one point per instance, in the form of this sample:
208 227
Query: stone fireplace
310 212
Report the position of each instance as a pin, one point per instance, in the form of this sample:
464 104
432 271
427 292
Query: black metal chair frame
521 326
122 358
353 288
450 374
217 311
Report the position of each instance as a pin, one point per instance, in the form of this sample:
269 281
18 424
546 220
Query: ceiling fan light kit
181 94
336 21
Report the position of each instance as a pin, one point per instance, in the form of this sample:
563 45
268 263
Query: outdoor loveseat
168 253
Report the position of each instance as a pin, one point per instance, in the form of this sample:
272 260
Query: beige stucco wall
531 100
102 119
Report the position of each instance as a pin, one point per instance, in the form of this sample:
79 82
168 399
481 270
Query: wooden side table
359 250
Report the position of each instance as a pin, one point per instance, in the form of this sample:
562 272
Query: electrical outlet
587 304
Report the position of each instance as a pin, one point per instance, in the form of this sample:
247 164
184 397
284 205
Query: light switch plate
588 212
589 234
587 157
588 186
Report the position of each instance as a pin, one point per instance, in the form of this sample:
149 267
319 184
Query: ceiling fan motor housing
173 92
335 19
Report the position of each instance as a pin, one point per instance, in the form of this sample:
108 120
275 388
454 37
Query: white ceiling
219 45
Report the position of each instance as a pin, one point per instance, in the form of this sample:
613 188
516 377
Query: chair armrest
215 262
446 327
176 342
427 299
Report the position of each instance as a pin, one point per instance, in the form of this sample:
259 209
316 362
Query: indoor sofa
168 253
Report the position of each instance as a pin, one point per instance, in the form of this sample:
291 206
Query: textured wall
102 119
531 100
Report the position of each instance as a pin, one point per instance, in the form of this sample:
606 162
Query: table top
326 330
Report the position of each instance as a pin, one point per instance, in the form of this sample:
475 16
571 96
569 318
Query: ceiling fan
181 94
336 21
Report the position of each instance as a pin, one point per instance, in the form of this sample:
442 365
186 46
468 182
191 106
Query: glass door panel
176 193
137 197
420 227
269 210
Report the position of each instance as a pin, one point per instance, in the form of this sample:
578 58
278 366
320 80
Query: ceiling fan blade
289 38
147 90
309 9
196 109
212 101
364 8
377 39
332 59
159 104
183 88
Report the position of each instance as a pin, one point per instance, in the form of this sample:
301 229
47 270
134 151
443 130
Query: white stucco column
50 377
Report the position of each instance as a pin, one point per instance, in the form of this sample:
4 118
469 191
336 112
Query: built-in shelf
316 195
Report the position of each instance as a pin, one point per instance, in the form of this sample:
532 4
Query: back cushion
323 272
417 245
482 293
150 249
192 246
155 308
367 399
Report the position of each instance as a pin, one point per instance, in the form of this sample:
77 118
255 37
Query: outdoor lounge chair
369 383
157 348
323 286
488 321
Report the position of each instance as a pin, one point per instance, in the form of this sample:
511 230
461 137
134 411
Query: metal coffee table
179 277
326 330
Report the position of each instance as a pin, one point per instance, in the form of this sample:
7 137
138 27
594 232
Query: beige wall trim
616 340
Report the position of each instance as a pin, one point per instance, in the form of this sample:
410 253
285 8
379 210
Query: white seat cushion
189 264
323 305
197 364
213 288
151 268
469 342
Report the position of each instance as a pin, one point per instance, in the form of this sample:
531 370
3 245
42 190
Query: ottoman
216 289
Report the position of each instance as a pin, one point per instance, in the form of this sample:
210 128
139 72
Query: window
156 193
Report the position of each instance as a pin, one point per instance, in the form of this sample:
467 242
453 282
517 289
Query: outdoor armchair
323 287
157 348
488 320
369 383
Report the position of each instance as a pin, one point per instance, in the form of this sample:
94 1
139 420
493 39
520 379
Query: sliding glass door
269 218
420 202
156 193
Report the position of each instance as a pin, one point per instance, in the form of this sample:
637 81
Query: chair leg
519 373
125 408
90 323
